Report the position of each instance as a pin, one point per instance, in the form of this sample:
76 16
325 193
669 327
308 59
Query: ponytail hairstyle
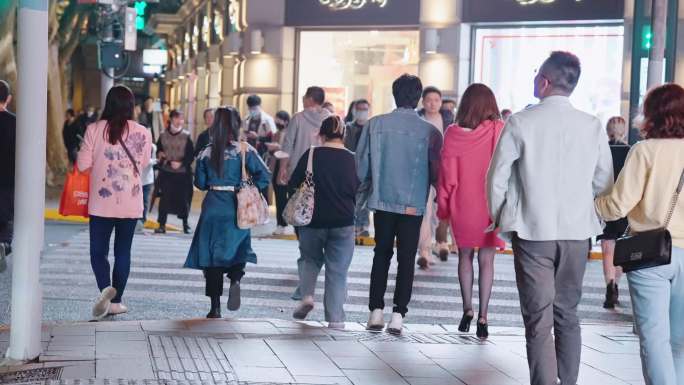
332 128
118 110
224 130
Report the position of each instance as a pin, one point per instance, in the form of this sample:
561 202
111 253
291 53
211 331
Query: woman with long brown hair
654 169
115 149
219 247
461 198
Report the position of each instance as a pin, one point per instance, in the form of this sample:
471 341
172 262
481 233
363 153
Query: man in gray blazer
550 163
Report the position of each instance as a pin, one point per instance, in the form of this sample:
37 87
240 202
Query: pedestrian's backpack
252 208
299 209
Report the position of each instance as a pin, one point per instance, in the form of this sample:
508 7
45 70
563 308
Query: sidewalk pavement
259 351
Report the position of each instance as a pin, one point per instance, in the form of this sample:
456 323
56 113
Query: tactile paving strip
31 376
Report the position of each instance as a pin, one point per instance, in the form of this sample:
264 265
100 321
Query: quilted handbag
299 209
649 248
252 208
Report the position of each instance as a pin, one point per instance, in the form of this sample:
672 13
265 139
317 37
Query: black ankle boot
611 296
215 311
186 227
234 296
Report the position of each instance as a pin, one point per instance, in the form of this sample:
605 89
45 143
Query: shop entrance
356 64
507 58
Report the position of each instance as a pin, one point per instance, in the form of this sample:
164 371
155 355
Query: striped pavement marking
159 287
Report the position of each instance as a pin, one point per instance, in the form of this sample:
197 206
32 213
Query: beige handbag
299 209
252 208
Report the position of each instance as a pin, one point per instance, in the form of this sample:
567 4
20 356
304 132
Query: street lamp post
29 201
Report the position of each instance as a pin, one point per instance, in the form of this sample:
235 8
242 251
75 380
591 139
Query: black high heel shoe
464 326
482 330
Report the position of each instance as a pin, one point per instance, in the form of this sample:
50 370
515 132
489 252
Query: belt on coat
222 188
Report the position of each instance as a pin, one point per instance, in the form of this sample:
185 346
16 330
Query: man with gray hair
550 163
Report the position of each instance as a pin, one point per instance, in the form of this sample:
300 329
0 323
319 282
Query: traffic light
646 37
140 7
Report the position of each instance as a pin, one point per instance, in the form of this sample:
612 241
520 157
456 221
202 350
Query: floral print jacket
115 187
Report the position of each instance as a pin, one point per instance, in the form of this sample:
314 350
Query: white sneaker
280 230
396 324
117 308
101 307
304 308
336 325
376 320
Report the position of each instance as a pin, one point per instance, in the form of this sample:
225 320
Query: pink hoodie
461 188
115 188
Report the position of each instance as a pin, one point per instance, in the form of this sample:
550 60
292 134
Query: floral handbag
252 208
299 209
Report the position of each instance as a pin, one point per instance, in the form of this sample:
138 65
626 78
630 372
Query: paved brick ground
258 351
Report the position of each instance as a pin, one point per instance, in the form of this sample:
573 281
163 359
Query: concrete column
214 96
448 67
32 61
228 83
200 97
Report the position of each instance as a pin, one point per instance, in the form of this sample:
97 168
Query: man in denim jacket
397 160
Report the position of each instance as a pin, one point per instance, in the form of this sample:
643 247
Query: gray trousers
549 275
333 248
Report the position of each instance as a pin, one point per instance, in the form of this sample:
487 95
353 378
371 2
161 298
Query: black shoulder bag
650 248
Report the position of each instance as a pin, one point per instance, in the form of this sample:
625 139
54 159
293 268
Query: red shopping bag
74 199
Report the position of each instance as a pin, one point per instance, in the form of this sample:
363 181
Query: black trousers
280 201
406 230
214 278
6 215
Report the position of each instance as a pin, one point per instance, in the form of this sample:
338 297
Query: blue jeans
147 190
100 234
658 302
334 248
362 215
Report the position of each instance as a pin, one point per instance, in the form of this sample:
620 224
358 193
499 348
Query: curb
369 241
54 215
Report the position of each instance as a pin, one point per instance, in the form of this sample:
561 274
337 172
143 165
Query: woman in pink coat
468 148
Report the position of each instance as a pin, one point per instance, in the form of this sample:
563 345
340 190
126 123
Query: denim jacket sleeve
256 167
201 177
363 160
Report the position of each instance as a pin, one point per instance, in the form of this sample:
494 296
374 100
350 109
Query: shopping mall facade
221 51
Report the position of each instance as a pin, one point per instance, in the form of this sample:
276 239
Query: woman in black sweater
329 238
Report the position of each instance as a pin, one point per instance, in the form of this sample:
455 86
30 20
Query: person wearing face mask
175 154
282 120
433 112
259 126
360 115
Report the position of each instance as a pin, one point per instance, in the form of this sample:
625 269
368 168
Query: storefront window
356 64
507 59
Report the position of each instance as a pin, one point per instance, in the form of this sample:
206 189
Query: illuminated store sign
483 11
355 13
353 4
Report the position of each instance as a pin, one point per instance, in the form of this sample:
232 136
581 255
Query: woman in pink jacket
468 148
115 149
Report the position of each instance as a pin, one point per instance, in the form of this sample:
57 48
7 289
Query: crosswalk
160 288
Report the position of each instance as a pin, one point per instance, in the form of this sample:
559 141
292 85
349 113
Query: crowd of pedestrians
546 180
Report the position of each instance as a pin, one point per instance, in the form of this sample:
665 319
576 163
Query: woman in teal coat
219 247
